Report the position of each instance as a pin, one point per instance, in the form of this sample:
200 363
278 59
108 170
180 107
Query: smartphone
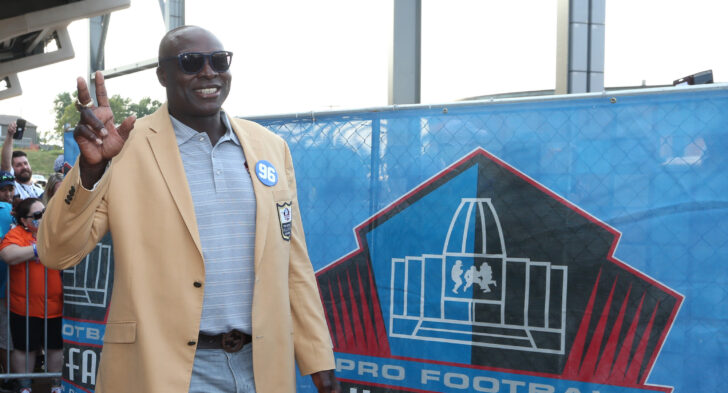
21 128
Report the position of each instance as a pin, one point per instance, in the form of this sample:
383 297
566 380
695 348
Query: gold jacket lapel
164 146
251 146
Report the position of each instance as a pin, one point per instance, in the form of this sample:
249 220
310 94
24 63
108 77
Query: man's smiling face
192 95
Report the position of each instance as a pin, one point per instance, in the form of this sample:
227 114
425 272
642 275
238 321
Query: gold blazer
154 315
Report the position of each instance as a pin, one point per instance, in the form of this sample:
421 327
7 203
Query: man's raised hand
12 127
99 140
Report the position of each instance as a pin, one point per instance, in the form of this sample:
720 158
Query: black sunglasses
37 215
193 62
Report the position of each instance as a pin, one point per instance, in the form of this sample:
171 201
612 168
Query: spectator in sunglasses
224 225
18 249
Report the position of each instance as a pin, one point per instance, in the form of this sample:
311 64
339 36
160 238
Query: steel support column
404 61
580 46
98 27
173 12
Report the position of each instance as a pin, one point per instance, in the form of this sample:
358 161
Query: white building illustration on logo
475 294
87 283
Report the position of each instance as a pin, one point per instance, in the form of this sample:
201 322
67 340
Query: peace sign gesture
99 140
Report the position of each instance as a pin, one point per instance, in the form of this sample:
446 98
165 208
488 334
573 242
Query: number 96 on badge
266 173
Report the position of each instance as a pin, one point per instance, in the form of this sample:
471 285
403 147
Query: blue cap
58 164
6 179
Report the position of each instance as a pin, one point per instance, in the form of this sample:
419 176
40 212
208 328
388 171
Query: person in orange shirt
27 305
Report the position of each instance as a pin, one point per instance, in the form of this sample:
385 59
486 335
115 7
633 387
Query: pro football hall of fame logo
483 280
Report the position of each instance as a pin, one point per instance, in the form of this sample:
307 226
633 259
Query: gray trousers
217 371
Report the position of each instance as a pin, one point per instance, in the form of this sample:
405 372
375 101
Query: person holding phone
213 287
16 162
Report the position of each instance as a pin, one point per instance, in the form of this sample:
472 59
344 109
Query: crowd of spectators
32 293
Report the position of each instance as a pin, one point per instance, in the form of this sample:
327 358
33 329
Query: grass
41 161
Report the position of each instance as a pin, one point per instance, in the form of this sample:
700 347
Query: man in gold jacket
131 180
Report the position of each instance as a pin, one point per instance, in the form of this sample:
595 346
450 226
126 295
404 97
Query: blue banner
70 148
580 240
87 289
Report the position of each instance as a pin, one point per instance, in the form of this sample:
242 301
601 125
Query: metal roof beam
173 12
12 87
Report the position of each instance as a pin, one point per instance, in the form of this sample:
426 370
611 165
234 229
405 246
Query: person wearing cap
58 164
7 190
213 287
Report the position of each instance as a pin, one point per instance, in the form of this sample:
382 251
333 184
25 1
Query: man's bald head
170 44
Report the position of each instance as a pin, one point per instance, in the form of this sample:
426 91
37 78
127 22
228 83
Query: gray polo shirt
222 192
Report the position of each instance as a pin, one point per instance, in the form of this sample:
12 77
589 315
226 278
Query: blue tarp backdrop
649 164
535 245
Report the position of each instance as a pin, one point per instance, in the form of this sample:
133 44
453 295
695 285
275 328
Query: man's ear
161 76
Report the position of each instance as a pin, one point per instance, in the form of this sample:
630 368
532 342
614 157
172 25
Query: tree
119 107
66 112
145 106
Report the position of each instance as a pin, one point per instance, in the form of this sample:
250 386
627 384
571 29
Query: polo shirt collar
184 132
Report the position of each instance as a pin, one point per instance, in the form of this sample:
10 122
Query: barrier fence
34 362
571 243
594 260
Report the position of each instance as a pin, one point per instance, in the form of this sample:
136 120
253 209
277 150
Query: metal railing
9 348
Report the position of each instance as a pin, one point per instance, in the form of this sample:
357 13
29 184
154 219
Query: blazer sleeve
311 338
74 222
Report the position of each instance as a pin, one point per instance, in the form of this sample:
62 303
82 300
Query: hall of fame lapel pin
285 217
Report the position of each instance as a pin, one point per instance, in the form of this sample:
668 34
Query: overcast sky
297 56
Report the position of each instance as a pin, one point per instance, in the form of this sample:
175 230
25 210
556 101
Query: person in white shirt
16 162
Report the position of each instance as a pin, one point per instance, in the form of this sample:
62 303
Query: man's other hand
326 382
